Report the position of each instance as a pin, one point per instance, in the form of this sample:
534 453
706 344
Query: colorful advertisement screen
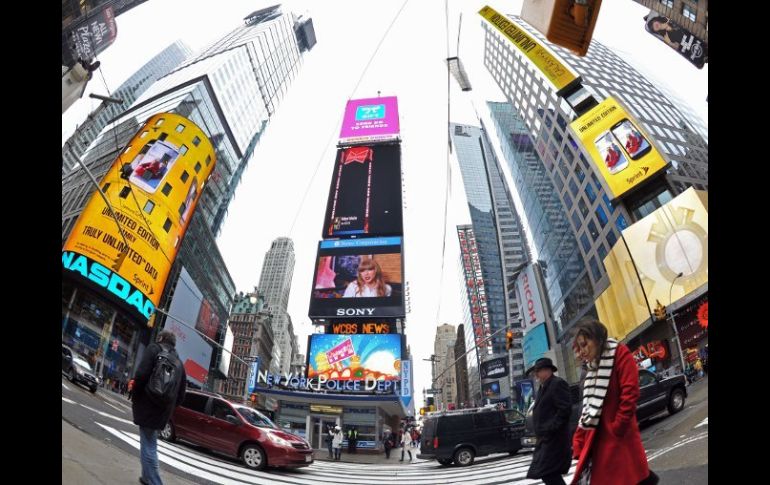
535 345
358 278
678 38
153 188
491 389
624 156
372 328
365 192
351 357
494 368
370 119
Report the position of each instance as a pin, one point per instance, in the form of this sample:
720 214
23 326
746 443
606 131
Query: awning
391 404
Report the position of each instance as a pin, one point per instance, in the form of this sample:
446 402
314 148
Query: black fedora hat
542 363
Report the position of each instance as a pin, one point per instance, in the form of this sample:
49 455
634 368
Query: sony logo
341 312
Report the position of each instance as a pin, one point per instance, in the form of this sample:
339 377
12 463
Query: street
677 449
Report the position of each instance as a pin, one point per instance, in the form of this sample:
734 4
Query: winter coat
390 440
615 446
406 438
147 414
550 417
337 438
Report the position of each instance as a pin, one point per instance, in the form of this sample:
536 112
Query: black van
460 436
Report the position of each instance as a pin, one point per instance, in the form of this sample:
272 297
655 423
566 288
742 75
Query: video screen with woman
358 278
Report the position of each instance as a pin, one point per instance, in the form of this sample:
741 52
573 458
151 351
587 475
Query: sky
284 189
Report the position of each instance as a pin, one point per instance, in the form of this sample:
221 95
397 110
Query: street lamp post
673 323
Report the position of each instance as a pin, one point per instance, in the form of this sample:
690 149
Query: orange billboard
152 188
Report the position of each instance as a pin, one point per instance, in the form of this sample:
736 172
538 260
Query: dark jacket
146 413
550 416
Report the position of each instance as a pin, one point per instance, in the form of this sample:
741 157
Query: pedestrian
414 444
337 438
352 439
699 367
389 442
607 443
150 413
550 416
329 436
406 439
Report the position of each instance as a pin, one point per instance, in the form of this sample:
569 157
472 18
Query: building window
149 206
612 238
601 215
590 192
163 136
688 12
580 174
167 225
573 188
208 160
586 243
166 189
196 141
179 128
667 3
621 222
106 186
183 149
576 220
583 207
592 229
595 269
185 176
197 167
159 122
124 192
609 204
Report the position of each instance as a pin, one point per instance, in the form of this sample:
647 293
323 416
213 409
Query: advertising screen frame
310 359
370 119
484 371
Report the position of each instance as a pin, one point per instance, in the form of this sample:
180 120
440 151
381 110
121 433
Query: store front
311 415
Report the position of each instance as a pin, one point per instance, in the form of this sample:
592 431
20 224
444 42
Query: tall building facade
230 90
594 221
275 285
160 65
501 244
461 368
444 376
253 338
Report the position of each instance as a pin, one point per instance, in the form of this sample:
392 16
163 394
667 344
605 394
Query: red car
210 421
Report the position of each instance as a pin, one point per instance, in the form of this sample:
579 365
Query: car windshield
82 363
256 418
514 415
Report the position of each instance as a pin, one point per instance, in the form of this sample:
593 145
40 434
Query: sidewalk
88 461
367 458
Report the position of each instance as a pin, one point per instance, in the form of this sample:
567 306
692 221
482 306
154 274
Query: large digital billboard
474 287
494 368
535 344
365 192
89 35
347 328
351 357
153 187
678 38
194 351
624 156
370 119
358 278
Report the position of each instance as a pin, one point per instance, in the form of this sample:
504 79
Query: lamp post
673 323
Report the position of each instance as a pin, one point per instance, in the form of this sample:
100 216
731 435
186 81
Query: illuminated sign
370 119
346 357
366 328
323 408
477 297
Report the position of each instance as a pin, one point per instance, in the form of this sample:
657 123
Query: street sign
434 391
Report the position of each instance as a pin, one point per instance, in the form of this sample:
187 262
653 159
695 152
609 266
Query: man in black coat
149 416
553 450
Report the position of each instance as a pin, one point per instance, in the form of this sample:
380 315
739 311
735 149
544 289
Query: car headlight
278 440
79 370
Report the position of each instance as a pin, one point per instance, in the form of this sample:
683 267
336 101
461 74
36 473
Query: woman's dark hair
591 329
662 20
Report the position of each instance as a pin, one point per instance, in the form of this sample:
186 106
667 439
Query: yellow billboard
623 153
671 240
153 187
546 61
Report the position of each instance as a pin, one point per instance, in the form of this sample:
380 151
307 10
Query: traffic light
508 340
660 311
567 23
422 411
253 398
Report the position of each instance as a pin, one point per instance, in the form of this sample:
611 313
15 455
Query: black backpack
162 386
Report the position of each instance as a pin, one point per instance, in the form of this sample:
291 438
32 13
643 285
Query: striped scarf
595 386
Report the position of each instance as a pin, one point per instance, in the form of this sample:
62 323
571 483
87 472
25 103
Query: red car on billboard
210 421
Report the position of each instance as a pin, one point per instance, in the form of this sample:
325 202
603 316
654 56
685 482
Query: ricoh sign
531 303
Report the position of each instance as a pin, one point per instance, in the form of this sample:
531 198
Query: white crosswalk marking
486 471
705 422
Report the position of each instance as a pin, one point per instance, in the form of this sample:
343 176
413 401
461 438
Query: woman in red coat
607 443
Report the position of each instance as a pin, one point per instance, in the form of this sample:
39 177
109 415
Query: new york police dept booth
352 380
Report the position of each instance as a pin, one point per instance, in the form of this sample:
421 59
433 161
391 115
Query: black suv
460 436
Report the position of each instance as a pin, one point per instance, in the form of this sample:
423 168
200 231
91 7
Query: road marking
115 407
68 400
107 415
679 444
705 422
65 386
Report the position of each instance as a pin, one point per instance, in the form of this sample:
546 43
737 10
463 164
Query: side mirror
232 419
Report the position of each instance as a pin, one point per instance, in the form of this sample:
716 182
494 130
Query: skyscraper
275 285
595 223
444 376
499 237
157 67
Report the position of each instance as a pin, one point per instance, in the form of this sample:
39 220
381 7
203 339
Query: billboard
523 394
491 389
224 362
624 156
351 357
358 278
530 300
678 38
370 119
346 328
474 287
670 240
494 368
208 321
194 351
365 192
153 187
535 345
89 35
548 63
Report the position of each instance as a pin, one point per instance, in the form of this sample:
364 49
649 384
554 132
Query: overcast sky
283 191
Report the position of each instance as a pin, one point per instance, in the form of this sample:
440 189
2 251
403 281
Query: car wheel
445 461
511 453
253 457
167 433
71 375
676 401
464 457
92 389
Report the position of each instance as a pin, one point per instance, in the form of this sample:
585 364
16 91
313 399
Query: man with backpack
159 387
